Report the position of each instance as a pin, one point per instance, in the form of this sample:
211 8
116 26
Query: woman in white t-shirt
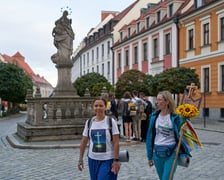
163 135
103 151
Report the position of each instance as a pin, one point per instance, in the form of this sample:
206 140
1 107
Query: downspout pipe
176 21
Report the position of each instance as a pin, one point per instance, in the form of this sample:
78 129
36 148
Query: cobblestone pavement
61 164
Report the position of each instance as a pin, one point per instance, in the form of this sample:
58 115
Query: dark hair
135 93
127 95
101 98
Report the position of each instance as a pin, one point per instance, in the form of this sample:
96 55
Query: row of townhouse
153 36
45 87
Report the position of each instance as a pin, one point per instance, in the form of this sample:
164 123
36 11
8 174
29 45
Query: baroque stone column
63 41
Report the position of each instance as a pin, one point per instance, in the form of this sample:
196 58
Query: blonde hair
168 97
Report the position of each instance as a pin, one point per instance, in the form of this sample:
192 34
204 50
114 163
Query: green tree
131 80
93 81
14 83
174 80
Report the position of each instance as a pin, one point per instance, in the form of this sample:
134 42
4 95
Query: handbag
183 160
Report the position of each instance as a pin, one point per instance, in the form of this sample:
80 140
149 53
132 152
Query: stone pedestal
64 86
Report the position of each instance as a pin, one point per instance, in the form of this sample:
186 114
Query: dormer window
198 3
121 35
170 10
158 16
129 32
147 22
138 27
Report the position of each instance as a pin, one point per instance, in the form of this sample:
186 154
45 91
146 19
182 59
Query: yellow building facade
201 47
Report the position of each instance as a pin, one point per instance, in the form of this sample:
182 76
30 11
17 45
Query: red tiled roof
19 60
125 11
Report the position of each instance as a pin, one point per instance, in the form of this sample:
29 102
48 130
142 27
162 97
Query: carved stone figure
63 39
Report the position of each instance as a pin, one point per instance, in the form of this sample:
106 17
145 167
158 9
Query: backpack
89 124
140 107
132 109
108 108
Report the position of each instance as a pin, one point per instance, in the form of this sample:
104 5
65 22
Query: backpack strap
89 124
110 128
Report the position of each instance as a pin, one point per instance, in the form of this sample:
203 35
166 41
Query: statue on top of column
63 39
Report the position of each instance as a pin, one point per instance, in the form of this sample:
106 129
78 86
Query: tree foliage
14 83
93 81
131 80
174 80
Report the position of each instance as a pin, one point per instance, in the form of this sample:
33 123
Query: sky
26 27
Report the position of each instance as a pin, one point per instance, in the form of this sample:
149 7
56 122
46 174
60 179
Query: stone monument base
31 133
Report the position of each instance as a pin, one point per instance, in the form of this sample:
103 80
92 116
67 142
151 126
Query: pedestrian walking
103 150
112 109
163 136
140 105
148 112
126 117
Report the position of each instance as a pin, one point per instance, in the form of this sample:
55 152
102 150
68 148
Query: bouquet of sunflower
188 134
187 111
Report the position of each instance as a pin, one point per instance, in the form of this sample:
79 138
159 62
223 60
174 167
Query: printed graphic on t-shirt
99 140
165 131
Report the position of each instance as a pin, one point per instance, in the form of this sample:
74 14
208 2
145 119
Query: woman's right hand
150 162
80 166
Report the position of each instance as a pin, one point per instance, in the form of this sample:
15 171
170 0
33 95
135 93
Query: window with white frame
127 57
167 43
198 3
92 69
136 55
138 27
108 67
170 8
158 15
205 30
108 47
129 32
84 60
222 29
121 35
190 36
103 69
102 50
97 53
145 51
92 56
221 77
97 68
147 22
87 58
190 39
220 25
155 48
205 84
206 34
119 60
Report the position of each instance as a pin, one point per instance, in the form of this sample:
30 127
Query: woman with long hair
103 153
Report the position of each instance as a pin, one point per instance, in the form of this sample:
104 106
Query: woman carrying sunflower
163 136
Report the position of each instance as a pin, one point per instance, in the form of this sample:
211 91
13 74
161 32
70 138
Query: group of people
161 137
135 124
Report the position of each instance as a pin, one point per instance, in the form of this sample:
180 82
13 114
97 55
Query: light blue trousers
101 169
164 165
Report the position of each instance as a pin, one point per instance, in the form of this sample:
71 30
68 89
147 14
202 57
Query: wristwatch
116 160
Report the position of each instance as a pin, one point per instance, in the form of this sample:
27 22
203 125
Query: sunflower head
187 111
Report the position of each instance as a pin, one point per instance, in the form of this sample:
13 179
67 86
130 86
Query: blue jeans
164 165
101 169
